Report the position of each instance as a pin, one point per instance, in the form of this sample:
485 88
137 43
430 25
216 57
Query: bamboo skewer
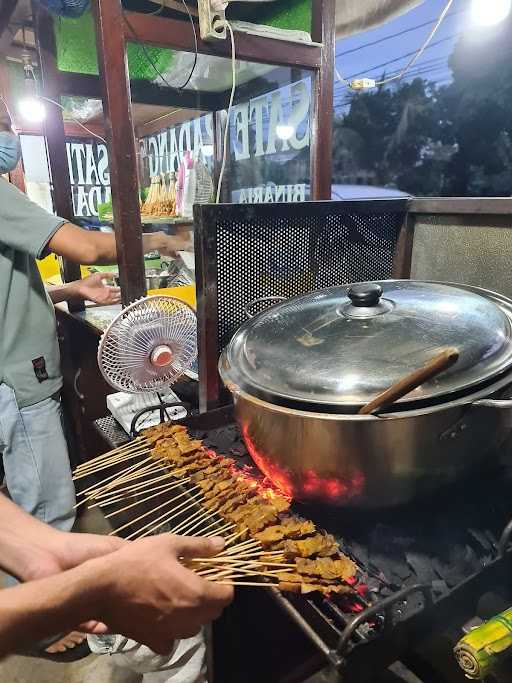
110 454
215 532
213 575
150 512
176 511
136 487
219 560
103 484
142 500
145 471
128 456
191 523
255 584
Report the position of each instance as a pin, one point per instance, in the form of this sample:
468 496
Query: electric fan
144 350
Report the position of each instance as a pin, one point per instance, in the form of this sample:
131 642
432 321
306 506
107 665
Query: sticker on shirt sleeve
39 365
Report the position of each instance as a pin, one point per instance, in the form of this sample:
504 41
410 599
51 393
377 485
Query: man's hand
63 551
93 288
145 592
166 245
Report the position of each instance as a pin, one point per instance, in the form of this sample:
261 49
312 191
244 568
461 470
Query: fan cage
124 352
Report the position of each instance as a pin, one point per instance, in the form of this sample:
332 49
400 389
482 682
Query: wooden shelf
161 220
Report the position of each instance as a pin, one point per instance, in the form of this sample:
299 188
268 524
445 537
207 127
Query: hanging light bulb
32 109
30 106
489 12
284 131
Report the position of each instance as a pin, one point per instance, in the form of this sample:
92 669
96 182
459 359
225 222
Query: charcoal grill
424 569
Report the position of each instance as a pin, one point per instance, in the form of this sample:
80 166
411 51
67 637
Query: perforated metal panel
249 251
277 255
473 250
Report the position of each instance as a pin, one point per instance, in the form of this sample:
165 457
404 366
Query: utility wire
395 35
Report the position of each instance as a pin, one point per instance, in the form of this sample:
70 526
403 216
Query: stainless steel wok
300 370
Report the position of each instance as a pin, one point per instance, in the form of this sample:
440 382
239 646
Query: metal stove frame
342 639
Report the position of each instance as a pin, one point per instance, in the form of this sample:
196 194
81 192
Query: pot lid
344 345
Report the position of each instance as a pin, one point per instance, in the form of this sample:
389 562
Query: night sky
432 65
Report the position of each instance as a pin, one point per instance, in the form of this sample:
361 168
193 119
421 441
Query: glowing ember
332 488
264 489
278 476
312 485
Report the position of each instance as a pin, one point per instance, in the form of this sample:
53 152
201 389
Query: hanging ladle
442 361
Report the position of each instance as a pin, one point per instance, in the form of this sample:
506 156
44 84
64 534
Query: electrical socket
211 14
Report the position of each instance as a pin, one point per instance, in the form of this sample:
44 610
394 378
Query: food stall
130 91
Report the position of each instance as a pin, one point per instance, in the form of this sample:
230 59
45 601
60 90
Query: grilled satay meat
327 568
305 588
166 449
219 487
290 527
197 464
323 545
215 466
231 503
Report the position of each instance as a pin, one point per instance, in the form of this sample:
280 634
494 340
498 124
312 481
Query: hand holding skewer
152 597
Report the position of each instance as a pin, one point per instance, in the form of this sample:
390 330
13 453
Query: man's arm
30 549
142 591
91 247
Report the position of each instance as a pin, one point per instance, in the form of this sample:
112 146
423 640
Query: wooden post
122 151
54 132
323 31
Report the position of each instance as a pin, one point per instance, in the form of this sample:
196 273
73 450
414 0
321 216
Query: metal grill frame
325 231
344 645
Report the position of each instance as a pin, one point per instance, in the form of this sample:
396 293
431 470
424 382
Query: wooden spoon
441 362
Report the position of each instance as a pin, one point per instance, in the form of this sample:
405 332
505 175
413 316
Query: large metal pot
300 371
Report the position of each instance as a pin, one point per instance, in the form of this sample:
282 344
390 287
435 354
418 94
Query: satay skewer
134 489
234 561
104 484
119 460
191 524
139 442
166 487
166 503
118 497
215 532
165 517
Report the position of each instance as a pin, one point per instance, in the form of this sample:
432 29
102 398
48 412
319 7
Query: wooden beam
171 33
7 8
122 156
323 31
54 131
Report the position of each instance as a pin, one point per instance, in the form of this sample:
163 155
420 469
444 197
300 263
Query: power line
395 35
404 56
420 72
425 62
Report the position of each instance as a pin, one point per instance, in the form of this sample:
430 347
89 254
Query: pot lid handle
365 295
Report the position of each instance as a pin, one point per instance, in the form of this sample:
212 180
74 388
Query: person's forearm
90 247
40 609
18 534
66 292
